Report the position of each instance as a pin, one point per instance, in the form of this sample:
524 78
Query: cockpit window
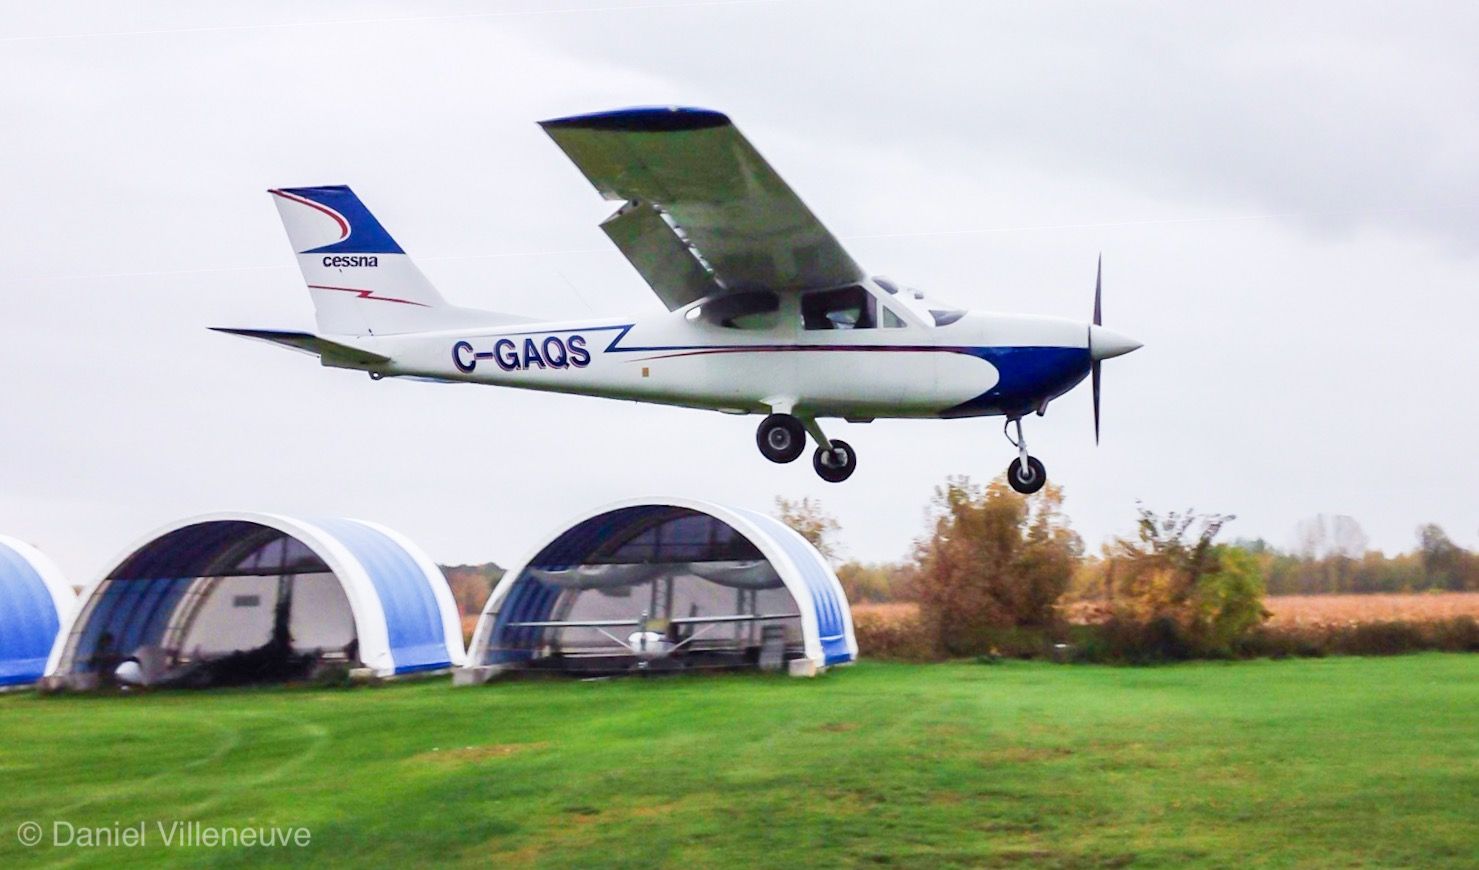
890 319
947 316
845 308
888 286
758 309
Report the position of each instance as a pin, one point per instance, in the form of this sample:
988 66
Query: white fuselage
976 365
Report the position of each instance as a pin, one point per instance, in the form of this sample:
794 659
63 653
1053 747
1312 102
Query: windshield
923 306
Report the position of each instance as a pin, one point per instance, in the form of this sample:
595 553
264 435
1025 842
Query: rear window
758 309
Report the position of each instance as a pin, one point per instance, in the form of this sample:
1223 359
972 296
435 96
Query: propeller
1098 321
1103 343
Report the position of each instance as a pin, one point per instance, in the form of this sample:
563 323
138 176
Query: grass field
1330 762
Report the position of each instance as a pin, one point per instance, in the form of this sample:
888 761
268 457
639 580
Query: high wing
704 212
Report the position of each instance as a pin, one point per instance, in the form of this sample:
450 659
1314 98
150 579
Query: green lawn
1333 762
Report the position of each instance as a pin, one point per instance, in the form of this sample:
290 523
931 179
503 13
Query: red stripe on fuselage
801 348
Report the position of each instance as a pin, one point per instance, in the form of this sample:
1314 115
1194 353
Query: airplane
657 638
767 313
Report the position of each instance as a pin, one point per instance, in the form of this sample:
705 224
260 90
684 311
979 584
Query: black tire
1032 481
837 464
781 438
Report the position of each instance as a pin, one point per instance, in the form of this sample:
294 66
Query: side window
845 308
891 320
758 309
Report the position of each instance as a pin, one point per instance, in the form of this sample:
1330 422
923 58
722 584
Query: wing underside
704 212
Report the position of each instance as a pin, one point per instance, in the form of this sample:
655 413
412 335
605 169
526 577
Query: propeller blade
1098 321
1095 376
1098 285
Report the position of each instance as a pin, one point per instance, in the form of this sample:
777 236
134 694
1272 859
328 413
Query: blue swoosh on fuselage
1029 377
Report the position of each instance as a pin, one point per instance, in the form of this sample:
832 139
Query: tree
993 560
1172 574
813 523
1447 565
471 585
876 582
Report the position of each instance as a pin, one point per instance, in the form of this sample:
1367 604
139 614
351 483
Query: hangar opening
255 598
34 599
667 586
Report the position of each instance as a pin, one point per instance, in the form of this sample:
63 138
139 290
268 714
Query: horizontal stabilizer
331 353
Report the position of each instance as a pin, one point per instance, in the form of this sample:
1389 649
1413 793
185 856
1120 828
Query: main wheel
1029 481
781 438
837 464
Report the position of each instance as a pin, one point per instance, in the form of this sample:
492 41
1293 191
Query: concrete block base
804 668
474 675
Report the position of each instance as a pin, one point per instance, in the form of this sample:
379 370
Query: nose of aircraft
1106 343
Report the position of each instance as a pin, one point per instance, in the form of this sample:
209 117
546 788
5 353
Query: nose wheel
1026 474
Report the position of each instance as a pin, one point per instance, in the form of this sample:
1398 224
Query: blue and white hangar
235 598
34 599
665 585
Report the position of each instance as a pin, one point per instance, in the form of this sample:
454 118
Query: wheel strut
1026 474
1020 441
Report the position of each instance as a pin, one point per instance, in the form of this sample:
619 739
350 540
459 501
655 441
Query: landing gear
781 438
1029 481
836 464
1026 474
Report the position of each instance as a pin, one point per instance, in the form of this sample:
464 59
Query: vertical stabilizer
361 281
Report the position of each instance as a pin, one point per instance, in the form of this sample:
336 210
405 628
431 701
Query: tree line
996 571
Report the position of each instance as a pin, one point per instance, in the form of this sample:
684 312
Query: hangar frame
404 617
35 600
520 625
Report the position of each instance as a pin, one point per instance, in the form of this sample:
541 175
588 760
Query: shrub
1391 637
902 634
1174 594
994 560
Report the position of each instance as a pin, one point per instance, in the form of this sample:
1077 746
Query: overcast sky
1287 202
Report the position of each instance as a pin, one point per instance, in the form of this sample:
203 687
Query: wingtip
642 119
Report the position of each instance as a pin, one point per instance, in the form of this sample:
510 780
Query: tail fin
361 281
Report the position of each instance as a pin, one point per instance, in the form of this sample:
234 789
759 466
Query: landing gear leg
834 460
1026 474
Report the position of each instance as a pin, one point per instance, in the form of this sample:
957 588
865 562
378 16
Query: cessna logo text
339 262
512 355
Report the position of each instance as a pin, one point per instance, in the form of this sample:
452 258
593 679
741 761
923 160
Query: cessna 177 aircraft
767 313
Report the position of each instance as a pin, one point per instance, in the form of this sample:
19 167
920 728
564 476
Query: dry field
1288 610
1335 609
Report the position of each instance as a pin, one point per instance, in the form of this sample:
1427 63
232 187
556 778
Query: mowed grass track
1333 762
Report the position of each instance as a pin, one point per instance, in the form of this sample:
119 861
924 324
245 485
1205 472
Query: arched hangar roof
825 617
34 599
405 617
